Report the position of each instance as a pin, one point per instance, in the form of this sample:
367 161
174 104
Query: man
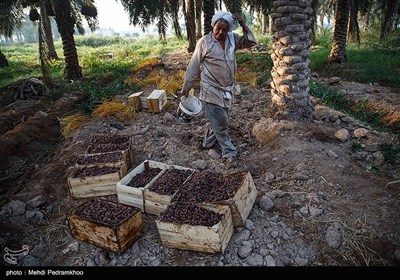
215 52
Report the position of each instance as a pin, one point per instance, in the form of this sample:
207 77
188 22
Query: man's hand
238 17
185 92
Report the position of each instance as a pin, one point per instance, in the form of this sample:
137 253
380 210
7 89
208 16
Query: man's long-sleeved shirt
218 75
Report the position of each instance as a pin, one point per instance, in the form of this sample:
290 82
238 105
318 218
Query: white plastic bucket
189 107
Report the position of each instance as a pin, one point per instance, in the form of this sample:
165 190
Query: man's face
220 29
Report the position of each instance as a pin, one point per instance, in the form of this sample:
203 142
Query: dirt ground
322 201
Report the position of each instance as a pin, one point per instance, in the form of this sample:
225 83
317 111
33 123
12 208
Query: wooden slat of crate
213 239
156 203
91 186
134 196
143 100
116 239
243 201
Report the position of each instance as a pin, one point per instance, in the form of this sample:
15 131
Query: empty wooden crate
156 100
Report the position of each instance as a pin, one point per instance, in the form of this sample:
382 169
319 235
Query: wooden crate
134 100
156 203
90 186
123 165
213 239
240 202
243 201
116 238
134 196
156 100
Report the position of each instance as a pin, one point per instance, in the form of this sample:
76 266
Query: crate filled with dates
237 190
158 194
106 224
195 227
97 172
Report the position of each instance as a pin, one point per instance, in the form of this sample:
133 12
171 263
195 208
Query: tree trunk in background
321 19
175 22
389 10
315 4
191 25
264 23
47 32
338 52
290 51
3 60
354 29
270 32
198 19
65 25
208 10
43 48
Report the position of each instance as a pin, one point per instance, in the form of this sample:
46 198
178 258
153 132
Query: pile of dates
100 158
142 179
105 212
181 213
95 171
109 138
170 181
206 186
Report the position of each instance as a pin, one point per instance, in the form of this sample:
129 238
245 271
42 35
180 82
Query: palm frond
11 14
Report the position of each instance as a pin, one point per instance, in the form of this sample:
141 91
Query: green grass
358 110
372 62
363 65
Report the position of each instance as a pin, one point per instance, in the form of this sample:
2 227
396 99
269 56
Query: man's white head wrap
224 15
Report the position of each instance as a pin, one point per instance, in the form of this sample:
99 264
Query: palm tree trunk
389 10
338 52
175 22
354 29
315 4
48 34
264 22
198 19
43 51
290 50
270 32
3 60
208 10
191 28
65 25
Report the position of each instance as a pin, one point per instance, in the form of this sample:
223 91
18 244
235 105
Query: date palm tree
145 12
208 10
67 17
338 52
291 28
390 10
10 19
